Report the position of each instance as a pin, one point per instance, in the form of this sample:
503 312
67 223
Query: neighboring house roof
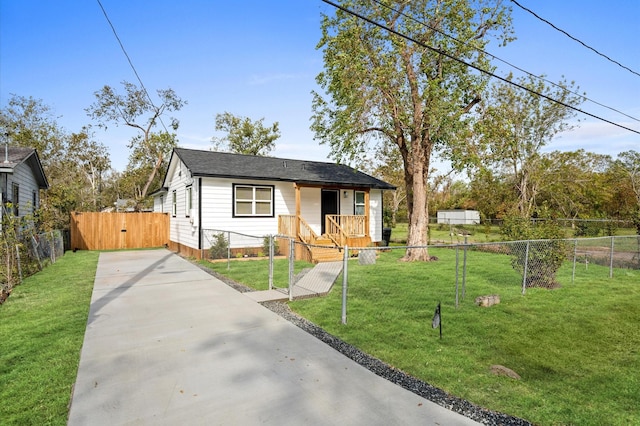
227 165
11 157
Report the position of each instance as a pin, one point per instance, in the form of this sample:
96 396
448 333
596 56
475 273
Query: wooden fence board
111 231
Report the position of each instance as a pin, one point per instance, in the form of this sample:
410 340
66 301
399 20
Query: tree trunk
418 213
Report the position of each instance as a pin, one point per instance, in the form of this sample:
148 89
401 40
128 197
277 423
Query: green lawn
42 327
575 347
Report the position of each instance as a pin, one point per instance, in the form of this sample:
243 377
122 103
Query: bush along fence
23 252
378 273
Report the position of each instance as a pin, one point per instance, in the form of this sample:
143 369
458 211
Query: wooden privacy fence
109 231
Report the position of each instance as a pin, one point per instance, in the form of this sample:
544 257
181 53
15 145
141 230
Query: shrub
544 258
220 247
265 246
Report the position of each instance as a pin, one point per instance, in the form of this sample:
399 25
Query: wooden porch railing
351 225
306 233
287 226
334 231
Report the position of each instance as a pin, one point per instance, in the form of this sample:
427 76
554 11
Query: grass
576 347
254 272
42 327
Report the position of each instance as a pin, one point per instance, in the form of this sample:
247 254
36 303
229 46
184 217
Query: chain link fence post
457 257
345 273
229 252
271 250
526 266
575 256
611 258
292 253
464 269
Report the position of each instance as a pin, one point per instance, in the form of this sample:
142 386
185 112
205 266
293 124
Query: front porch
340 230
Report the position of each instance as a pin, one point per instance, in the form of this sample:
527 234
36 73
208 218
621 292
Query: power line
144 89
442 52
507 63
574 38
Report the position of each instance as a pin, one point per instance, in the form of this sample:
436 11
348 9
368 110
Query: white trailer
459 217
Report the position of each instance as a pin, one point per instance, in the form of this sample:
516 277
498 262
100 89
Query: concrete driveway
167 344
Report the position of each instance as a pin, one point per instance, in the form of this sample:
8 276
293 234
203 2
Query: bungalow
21 179
317 203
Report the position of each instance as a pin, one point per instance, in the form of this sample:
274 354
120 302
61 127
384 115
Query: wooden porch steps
330 253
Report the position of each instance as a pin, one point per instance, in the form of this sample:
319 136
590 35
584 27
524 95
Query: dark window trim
188 200
174 203
250 185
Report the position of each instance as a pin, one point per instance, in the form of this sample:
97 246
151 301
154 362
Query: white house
315 202
459 217
21 179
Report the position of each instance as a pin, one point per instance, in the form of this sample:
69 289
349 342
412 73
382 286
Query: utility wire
574 38
144 89
507 63
442 52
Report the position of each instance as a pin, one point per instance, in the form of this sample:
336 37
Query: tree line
78 166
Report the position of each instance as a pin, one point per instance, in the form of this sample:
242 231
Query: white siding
375 215
183 226
24 178
310 208
217 208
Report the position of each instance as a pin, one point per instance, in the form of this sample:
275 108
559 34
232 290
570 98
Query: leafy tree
135 109
73 163
390 170
573 186
628 163
245 136
30 123
385 88
515 125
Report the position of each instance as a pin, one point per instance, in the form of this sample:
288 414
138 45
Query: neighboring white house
459 217
254 195
21 179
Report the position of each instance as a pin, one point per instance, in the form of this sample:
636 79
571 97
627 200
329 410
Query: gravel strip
373 364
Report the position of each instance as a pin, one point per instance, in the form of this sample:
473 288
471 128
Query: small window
188 201
174 204
16 199
253 200
358 207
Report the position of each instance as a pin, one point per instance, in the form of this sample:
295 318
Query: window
16 199
34 202
188 201
174 204
249 200
358 203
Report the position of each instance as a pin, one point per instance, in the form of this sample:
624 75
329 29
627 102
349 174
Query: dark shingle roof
227 165
11 156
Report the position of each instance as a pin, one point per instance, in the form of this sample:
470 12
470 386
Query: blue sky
258 59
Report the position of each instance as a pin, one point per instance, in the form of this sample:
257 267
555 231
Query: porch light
346 194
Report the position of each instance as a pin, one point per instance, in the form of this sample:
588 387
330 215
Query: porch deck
317 282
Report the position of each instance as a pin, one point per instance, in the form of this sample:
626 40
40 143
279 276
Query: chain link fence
23 253
378 275
487 269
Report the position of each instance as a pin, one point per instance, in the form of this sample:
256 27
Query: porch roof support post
297 219
367 199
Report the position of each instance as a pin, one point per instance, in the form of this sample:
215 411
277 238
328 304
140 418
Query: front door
329 204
